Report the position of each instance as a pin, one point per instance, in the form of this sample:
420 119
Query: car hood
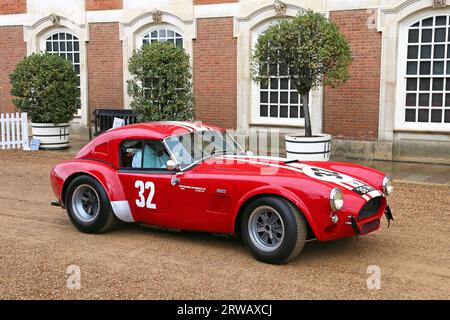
349 177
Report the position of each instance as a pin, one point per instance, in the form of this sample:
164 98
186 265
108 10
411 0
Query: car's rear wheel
88 205
273 229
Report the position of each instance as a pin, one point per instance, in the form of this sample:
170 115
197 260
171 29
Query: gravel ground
38 244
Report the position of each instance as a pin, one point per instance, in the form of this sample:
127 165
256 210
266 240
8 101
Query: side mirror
172 165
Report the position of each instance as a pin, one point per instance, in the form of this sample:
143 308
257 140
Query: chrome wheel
85 203
266 228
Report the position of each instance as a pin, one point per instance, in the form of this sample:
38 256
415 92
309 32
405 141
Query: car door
147 184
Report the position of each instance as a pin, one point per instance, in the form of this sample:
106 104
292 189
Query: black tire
103 219
293 222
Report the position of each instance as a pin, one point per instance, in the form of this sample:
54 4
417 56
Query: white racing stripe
296 167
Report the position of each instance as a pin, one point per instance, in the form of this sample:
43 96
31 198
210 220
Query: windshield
192 148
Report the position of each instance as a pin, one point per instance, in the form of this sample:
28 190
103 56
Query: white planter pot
303 148
51 136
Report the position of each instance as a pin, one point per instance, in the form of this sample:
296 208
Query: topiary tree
310 47
161 83
46 87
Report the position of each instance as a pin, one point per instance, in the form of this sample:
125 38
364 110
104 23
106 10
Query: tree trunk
308 131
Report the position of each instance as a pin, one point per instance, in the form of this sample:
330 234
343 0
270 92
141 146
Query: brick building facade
395 106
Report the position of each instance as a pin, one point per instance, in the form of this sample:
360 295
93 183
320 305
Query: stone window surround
35 36
132 33
246 29
394 24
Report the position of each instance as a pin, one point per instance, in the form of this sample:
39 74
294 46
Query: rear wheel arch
72 177
248 201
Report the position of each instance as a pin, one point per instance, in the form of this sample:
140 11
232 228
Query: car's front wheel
273 229
88 206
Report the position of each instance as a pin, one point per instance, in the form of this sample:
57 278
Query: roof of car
162 129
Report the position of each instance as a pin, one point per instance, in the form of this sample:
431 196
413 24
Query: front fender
277 191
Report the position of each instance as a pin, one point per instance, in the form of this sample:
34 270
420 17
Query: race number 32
142 187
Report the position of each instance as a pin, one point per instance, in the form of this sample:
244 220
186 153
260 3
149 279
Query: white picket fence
14 131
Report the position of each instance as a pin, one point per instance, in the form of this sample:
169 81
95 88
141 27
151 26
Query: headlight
336 199
388 187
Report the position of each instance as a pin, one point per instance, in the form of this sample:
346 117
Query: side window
131 154
143 154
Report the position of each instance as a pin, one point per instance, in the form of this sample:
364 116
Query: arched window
161 35
427 79
276 100
67 46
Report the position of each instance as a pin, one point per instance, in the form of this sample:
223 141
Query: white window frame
42 44
256 119
400 123
141 34
166 27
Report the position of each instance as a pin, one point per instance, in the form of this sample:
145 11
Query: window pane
424 84
425 52
76 46
274 111
264 84
294 97
284 84
424 99
264 111
69 46
436 116
284 97
411 99
76 58
436 99
447 84
411 84
412 68
284 111
413 52
425 68
427 35
438 84
274 84
413 36
162 33
439 51
55 46
48 46
423 115
441 20
439 35
293 113
438 67
179 43
264 97
427 22
447 116
410 115
274 97
447 100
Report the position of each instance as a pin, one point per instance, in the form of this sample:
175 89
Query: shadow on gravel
313 251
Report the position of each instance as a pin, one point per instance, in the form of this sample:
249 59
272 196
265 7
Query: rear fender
65 172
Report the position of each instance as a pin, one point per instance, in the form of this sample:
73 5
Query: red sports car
189 176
